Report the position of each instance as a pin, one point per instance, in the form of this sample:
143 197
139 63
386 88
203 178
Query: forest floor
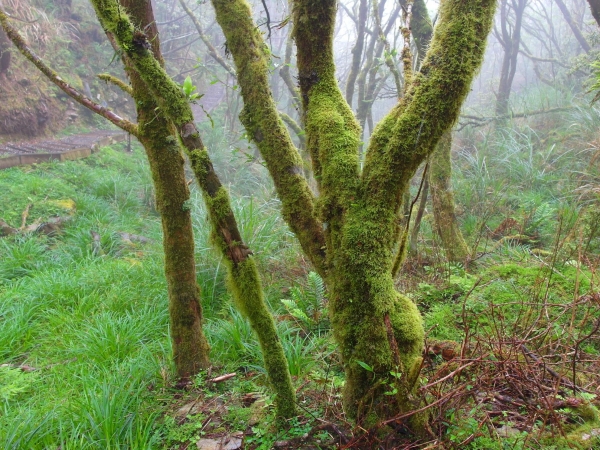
513 350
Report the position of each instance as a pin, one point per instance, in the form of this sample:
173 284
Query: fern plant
308 304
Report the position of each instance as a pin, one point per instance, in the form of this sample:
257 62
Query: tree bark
4 52
595 8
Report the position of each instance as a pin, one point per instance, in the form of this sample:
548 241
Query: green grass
93 322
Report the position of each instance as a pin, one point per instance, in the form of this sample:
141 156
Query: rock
505 431
232 442
208 444
593 433
189 409
6 229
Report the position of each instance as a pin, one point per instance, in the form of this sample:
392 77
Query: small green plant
189 88
13 383
308 304
177 432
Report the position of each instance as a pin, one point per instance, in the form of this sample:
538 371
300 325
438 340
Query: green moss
586 433
446 224
245 285
219 206
264 126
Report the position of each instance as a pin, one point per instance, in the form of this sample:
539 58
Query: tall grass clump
83 311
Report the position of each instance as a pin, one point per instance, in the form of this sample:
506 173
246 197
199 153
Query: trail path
64 149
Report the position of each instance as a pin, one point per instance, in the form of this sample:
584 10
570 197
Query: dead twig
227 376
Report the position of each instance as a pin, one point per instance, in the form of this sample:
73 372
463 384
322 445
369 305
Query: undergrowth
512 356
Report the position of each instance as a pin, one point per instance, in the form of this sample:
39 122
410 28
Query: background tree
509 36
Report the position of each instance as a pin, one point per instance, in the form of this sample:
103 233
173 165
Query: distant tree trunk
157 135
510 39
446 224
357 51
414 235
4 52
574 28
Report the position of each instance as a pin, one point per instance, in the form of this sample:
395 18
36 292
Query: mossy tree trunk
349 231
446 225
158 137
243 277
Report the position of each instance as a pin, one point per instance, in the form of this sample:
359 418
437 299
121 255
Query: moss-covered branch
21 45
333 133
117 82
261 119
410 132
